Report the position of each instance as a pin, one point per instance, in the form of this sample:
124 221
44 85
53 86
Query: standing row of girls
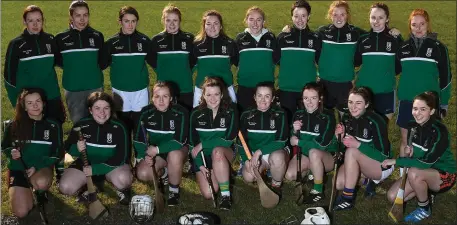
175 54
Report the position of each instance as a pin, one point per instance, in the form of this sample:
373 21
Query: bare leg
21 201
42 179
291 173
321 162
72 180
121 177
175 161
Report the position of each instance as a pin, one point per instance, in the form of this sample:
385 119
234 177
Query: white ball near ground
184 220
198 221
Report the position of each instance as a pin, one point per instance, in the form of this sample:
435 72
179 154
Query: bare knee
218 154
391 195
175 158
291 175
68 187
276 160
314 155
414 175
42 183
143 175
123 180
21 212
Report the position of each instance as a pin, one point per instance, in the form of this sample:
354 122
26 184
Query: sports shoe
314 197
83 197
342 204
239 173
173 199
42 197
418 215
164 178
225 203
124 196
370 189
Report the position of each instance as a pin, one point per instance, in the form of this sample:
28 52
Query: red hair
423 13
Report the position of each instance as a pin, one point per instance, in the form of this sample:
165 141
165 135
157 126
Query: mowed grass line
246 207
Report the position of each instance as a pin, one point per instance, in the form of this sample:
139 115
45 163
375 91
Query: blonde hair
254 9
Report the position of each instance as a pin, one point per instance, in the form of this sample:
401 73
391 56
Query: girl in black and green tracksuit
106 142
161 137
266 131
29 62
171 56
258 55
375 55
78 55
365 137
312 130
429 158
125 53
213 126
299 53
36 141
214 55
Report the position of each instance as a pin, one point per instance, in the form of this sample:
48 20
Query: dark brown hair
366 94
98 95
128 10
432 100
382 6
21 121
316 86
300 4
76 4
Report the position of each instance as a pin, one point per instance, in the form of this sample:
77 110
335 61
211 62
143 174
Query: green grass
246 207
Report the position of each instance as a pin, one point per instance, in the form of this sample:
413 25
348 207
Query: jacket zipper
212 48
130 48
173 42
38 46
377 40
98 133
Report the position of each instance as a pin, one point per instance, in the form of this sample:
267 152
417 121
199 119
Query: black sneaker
314 197
370 189
164 180
173 199
343 204
225 203
82 197
124 196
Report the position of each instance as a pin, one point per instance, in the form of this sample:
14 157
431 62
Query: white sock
225 193
173 189
165 172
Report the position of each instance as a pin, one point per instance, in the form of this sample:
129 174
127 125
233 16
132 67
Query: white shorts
198 93
131 100
385 174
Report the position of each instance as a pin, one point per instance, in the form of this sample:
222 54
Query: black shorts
16 178
78 164
384 103
186 100
404 113
245 98
56 110
336 94
289 101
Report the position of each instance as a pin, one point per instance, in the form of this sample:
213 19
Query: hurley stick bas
158 200
96 208
268 198
396 212
41 208
209 179
299 186
335 173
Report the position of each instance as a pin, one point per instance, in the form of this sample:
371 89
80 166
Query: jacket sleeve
399 40
194 137
119 158
279 44
151 58
58 55
318 48
56 147
10 72
439 144
70 144
444 68
105 55
235 54
276 50
230 133
192 59
282 134
102 41
358 54
380 138
244 132
180 135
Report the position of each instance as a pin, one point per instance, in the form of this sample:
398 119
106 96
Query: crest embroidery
365 133
222 122
268 43
429 52
46 135
183 45
389 46
109 138
310 43
348 37
140 47
224 50
272 124
172 124
48 47
316 128
91 42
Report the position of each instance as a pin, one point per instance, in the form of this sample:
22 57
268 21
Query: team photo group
328 109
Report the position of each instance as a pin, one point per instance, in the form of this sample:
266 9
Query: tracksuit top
167 130
79 58
267 131
257 60
106 144
336 62
212 132
171 57
299 54
42 150
370 129
431 147
424 69
375 54
214 57
126 54
317 131
29 62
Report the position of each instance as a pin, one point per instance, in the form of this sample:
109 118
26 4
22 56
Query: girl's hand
31 171
294 141
297 125
196 150
339 129
350 142
148 160
15 154
81 145
388 162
